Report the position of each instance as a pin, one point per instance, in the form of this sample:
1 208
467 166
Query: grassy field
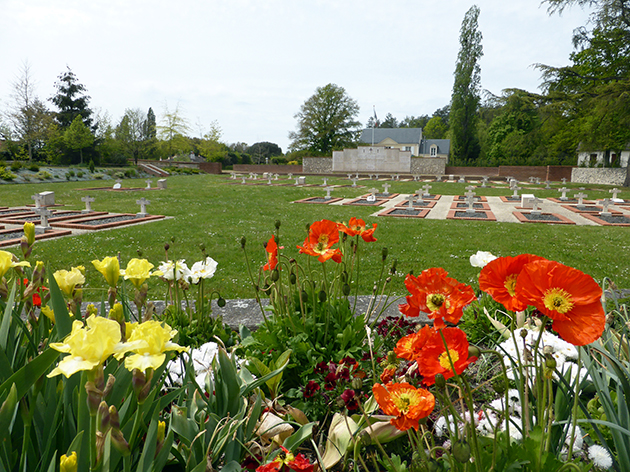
217 212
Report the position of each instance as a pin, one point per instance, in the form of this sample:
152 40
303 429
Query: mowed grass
217 212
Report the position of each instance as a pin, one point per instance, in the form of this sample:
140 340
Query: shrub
71 173
119 175
91 165
98 176
6 174
43 175
33 167
130 173
16 165
80 174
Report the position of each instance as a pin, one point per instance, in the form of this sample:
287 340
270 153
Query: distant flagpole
374 124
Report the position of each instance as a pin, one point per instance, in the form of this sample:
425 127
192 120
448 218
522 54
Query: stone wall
273 168
317 165
476 171
372 159
605 176
210 167
428 165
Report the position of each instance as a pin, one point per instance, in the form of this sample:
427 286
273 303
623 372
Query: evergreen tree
71 101
466 92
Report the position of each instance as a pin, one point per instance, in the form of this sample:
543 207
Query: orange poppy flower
407 403
442 297
434 359
272 254
498 279
286 461
571 298
409 346
321 236
357 227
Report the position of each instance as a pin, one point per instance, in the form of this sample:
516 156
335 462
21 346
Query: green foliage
6 175
71 101
43 175
80 174
435 129
33 167
91 166
16 166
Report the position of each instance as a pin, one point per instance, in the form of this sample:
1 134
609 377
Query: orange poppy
321 236
272 254
409 346
356 227
407 403
435 358
498 279
286 461
571 298
442 297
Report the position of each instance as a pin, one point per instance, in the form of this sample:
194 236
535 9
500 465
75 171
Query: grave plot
456 205
511 199
11 237
405 212
57 215
108 220
366 201
539 217
476 198
478 215
608 219
19 211
321 200
586 208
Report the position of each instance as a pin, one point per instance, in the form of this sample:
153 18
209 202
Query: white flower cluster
563 352
481 258
178 270
202 359
600 457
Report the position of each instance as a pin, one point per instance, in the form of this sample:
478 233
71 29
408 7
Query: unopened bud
221 302
550 361
29 233
102 418
114 418
167 246
116 313
243 242
68 463
278 224
304 296
473 351
384 253
461 451
440 381
357 383
523 333
322 296
392 270
275 275
292 278
345 289
120 443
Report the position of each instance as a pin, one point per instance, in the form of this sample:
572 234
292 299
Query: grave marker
325 182
386 188
615 192
462 179
269 178
148 183
535 202
38 200
354 182
244 179
161 184
88 204
564 180
438 178
290 175
580 196
605 204
48 198
484 181
547 185
372 196
426 189
470 199
328 190
515 189
564 191
118 184
143 202
410 199
43 213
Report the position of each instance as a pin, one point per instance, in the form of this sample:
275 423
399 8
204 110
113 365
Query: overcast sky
251 64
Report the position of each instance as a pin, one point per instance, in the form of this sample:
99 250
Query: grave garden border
560 220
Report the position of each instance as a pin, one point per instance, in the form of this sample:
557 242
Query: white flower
481 258
202 270
202 359
600 456
174 270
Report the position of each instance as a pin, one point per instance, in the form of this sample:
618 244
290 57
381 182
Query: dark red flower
311 389
331 381
349 398
321 368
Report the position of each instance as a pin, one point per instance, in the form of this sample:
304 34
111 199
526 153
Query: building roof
400 135
443 146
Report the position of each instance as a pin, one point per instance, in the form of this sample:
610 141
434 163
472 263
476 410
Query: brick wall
210 167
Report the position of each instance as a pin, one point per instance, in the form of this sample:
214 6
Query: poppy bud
461 451
357 383
243 241
221 302
440 381
384 253
304 296
167 246
277 224
392 270
292 278
473 351
345 289
275 275
322 296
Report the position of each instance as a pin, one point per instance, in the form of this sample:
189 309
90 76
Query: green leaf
25 377
6 320
63 323
297 438
231 466
7 414
148 452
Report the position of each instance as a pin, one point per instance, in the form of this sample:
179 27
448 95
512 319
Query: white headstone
328 190
580 196
426 189
526 200
386 188
410 199
143 202
161 183
48 198
38 200
605 204
148 183
88 204
564 191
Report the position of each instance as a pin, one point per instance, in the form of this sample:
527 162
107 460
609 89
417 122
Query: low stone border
363 202
584 209
557 219
511 199
476 206
476 198
133 219
597 219
461 215
54 233
318 200
425 204
399 212
64 215
382 196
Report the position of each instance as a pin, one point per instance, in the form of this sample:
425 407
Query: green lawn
217 212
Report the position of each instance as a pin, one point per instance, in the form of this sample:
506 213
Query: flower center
558 300
402 402
435 301
444 361
510 284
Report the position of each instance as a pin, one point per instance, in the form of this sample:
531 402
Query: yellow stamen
402 402
444 361
510 284
435 301
558 300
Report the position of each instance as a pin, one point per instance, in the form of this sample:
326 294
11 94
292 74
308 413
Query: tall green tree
414 121
263 150
71 100
131 133
435 128
466 91
172 130
326 122
78 136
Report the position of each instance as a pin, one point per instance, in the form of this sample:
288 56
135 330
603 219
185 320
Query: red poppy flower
357 227
434 358
442 297
272 254
285 461
409 346
571 298
321 236
407 403
498 279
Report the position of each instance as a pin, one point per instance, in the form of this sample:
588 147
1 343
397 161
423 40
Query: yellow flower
47 311
138 271
68 280
88 346
148 341
29 232
8 260
110 268
68 463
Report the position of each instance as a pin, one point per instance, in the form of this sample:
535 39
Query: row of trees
585 105
71 133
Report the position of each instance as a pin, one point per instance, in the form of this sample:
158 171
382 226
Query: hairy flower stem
251 277
576 396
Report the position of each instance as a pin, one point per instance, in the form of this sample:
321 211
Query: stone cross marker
372 196
564 180
232 175
426 189
255 176
515 189
410 199
269 178
484 181
354 181
88 204
605 204
615 192
328 190
537 180
547 184
289 175
438 178
513 183
393 177
470 199
462 179
535 202
371 176
244 179
416 177
356 176
580 196
297 181
564 191
38 200
43 213
386 188
118 184
148 183
349 176
376 176
143 202
325 182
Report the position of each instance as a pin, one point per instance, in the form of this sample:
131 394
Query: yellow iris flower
89 346
68 463
138 271
29 232
8 260
69 279
110 268
148 341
